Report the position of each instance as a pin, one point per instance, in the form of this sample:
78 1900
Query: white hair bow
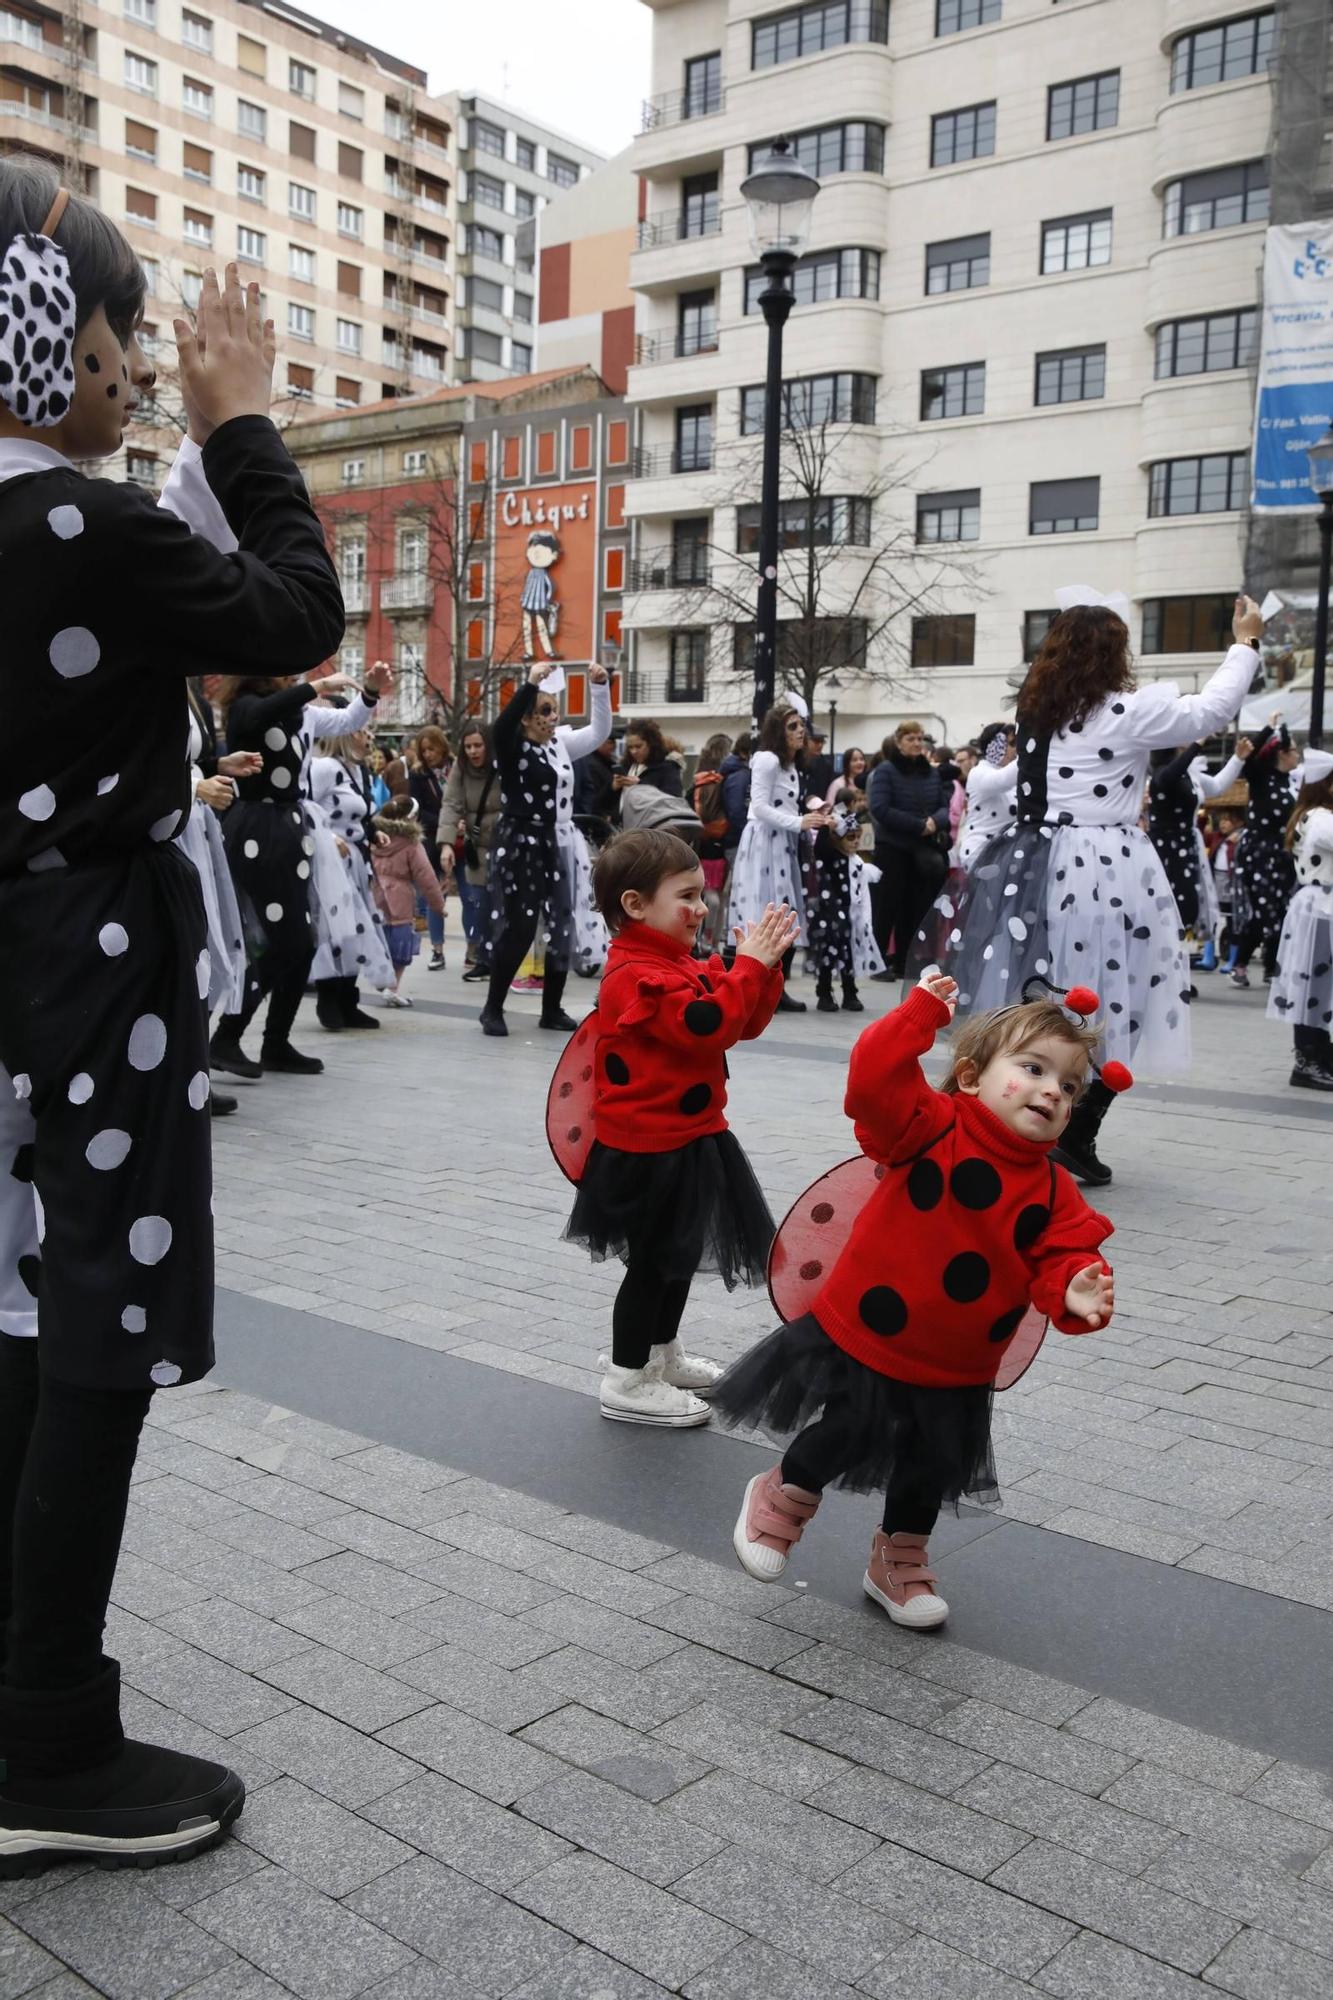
1071 595
794 701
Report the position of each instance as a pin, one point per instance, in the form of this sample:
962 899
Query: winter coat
464 790
402 872
904 793
735 796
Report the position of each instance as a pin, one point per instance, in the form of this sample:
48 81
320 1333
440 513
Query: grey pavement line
1203 1651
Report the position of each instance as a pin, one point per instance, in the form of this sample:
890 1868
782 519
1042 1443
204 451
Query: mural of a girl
539 604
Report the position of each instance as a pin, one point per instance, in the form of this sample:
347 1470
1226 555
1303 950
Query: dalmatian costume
540 867
201 842
340 798
768 866
1302 990
842 935
104 965
992 803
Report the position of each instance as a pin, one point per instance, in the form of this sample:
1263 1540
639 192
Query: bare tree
852 575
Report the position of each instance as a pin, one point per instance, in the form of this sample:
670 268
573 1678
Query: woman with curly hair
1074 891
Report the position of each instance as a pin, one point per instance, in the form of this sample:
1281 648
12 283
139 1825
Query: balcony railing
664 460
669 569
648 688
675 227
676 106
679 346
412 592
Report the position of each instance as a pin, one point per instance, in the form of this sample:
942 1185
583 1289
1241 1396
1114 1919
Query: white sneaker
670 1363
634 1396
396 1000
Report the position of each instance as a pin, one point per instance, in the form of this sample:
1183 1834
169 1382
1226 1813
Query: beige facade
235 129
1063 395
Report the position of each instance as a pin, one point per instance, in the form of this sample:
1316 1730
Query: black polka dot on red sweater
975 1184
966 1277
925 1184
883 1310
703 1017
1006 1326
617 1069
696 1099
1030 1224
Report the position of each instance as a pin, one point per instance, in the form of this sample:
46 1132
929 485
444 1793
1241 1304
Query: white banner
1294 405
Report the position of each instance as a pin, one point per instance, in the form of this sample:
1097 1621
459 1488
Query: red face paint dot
811 1270
822 1212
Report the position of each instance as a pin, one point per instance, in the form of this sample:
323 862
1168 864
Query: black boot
225 1053
329 1007
75 1789
852 1002
353 1013
1077 1150
220 1105
1310 1073
824 1000
282 1059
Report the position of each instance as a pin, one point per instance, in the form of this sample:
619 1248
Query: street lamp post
780 194
1320 455
833 688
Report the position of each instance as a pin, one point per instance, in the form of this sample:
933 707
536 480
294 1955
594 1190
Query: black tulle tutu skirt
879 1428
698 1208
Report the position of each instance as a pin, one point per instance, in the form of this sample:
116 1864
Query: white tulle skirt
200 841
590 941
1210 912
767 870
349 930
1302 990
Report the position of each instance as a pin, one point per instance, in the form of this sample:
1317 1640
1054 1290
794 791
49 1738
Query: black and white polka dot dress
992 795
1264 874
1302 990
767 868
591 939
202 844
532 890
1075 891
270 846
351 933
841 932
104 968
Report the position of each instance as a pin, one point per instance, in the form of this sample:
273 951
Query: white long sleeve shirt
775 792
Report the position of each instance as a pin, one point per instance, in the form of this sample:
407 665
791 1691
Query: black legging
66 1455
507 956
814 1459
648 1309
911 877
1256 933
1313 1042
284 997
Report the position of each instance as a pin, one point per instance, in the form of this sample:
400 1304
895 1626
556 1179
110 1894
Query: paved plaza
513 1721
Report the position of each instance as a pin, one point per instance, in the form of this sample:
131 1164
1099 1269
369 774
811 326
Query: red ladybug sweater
969 1225
667 1021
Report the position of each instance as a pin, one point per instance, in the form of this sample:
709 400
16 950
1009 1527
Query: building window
953 392
484 242
703 85
822 24
351 161
141 468
300 381
520 357
352 660
811 400
856 148
525 154
1036 624
351 221
613 573
1071 375
525 204
696 323
523 307
949 517
485 293
1215 55
700 205
197 98
487 191
197 33
140 140
150 276
689 550
300 79
948 641
1076 242
1216 200
191 287
1088 104
835 522
141 206
346 391
251 119
301 141
301 263
349 280
251 56
414 461
300 202
197 228
968 134
1216 484
511 459
823 275
300 321
958 265
483 346
140 74
694 437
952 16
564 173
354 471
1201 346
688 666
349 337
1188 624
251 246
487 138
1063 506
251 184
351 101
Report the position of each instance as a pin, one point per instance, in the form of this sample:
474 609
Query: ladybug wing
1021 1352
569 1101
813 1233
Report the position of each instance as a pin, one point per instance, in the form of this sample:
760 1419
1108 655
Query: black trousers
507 955
66 1455
910 880
648 1308
284 987
1313 1042
820 1452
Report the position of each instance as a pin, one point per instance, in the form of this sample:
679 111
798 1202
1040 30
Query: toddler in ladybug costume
666 1185
969 1223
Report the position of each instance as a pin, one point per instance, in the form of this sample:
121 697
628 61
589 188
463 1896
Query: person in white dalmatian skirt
104 969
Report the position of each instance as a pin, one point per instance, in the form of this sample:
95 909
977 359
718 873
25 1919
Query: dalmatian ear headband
1080 1003
37 308
1071 595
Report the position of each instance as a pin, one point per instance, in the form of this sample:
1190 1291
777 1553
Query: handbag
471 852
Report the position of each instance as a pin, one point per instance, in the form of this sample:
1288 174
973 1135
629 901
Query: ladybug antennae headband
1081 1003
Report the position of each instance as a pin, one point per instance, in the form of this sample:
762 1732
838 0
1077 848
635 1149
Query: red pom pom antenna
1116 1077
1082 1000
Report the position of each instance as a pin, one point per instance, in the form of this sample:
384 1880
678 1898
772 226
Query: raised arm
509 722
1210 784
1160 717
888 1098
582 742
331 722
1170 774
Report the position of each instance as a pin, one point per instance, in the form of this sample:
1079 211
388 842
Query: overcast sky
579 65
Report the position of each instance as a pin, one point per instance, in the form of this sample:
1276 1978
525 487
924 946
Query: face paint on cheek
112 391
92 364
1011 1090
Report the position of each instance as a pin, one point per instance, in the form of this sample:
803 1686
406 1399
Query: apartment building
509 167
585 240
1025 328
250 130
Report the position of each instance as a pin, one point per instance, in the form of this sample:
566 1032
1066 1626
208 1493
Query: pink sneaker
899 1577
771 1522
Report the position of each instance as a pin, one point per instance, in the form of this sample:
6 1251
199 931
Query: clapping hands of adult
226 358
771 938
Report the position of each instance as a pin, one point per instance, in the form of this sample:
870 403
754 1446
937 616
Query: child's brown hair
1008 1030
642 861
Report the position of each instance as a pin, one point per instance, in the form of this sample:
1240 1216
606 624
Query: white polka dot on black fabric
107 1150
80 1088
250 849
134 1319
114 939
38 804
150 1239
107 784
166 827
148 1042
281 778
73 652
203 972
65 522
165 1373
275 739
273 912
22 1083
197 1092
